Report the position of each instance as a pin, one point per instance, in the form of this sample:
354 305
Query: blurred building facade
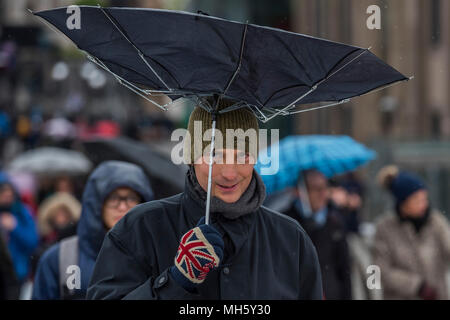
409 123
414 38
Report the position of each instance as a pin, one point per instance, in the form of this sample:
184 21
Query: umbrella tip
410 78
30 11
369 48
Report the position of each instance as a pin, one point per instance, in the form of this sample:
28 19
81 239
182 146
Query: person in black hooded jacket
164 250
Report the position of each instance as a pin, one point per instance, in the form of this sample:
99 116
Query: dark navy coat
271 256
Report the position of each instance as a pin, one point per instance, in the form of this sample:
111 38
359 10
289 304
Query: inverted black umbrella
158 167
184 55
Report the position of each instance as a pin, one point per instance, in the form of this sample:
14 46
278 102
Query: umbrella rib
320 107
313 88
238 68
261 116
304 85
285 88
343 58
348 99
131 86
141 55
121 66
98 62
386 86
124 82
235 106
289 106
201 104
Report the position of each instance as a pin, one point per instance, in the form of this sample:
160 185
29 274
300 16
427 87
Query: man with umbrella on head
164 250
268 71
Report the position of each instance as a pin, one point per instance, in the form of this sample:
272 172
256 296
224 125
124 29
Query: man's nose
229 172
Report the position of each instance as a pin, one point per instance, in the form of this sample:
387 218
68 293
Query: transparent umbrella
51 161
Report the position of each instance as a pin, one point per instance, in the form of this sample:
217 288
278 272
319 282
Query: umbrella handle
211 160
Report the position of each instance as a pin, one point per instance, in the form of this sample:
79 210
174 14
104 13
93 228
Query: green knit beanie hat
242 134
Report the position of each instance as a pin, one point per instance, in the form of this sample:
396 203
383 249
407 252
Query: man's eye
243 157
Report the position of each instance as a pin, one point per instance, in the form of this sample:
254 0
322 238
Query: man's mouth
227 188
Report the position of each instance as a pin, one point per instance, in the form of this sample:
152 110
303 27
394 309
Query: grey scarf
249 202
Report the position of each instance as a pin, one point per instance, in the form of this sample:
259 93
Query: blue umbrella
331 155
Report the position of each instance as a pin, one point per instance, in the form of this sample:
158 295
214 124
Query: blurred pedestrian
112 189
412 243
5 129
165 250
9 285
347 195
338 196
64 184
17 228
322 221
58 216
50 185
355 198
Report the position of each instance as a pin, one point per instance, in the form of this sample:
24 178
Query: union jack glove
200 251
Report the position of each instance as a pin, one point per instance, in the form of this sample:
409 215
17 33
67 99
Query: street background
43 77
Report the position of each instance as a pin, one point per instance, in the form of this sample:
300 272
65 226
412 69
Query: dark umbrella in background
163 173
270 71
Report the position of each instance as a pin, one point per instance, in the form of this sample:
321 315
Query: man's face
228 180
318 190
117 204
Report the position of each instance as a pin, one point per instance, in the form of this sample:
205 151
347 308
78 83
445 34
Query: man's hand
7 221
200 251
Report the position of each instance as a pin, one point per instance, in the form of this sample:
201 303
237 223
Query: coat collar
236 231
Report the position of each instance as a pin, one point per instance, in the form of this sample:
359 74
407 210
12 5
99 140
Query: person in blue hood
112 189
17 227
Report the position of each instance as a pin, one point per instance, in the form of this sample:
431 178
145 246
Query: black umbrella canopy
163 173
196 55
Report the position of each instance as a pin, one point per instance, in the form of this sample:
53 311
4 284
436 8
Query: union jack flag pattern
196 256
